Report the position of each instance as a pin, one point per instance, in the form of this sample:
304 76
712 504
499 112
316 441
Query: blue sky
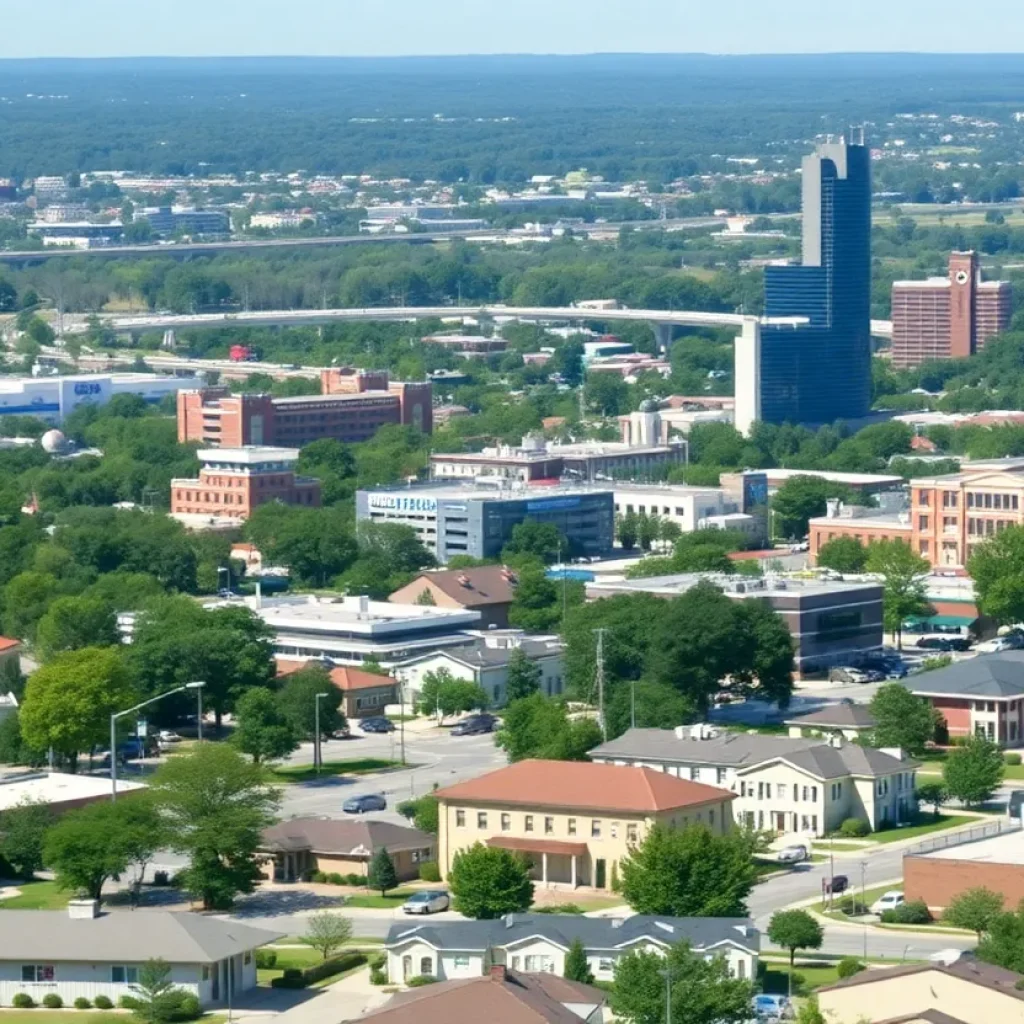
91 28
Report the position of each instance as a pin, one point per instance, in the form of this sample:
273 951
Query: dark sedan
364 803
474 725
377 723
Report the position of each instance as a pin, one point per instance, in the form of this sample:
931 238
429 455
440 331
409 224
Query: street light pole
127 711
863 868
198 687
632 703
316 731
668 995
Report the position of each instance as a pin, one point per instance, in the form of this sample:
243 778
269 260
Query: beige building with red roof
575 820
365 693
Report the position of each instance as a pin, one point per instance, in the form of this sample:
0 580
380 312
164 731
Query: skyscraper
821 372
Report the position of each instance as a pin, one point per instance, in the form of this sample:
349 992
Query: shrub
22 1001
1011 758
852 907
354 879
848 967
266 959
335 965
81 1003
377 961
335 878
430 872
559 908
188 1009
292 978
912 912
161 878
52 1001
855 828
129 1003
378 976
103 1003
319 876
421 979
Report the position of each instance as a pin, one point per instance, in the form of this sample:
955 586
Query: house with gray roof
788 785
538 943
82 953
852 721
485 661
982 695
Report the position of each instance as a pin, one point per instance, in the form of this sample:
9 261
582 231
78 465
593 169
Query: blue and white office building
475 520
52 398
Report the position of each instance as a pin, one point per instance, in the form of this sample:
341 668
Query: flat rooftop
354 396
877 518
853 479
250 455
1007 848
458 490
733 586
56 788
585 450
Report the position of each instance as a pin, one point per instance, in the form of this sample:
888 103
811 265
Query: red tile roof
6 643
584 786
343 677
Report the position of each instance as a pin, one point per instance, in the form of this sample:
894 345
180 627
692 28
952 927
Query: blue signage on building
86 388
552 504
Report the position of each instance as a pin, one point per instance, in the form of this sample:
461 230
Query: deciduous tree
488 882
901 719
523 676
689 872
843 554
261 729
793 930
297 701
326 932
442 694
974 909
973 772
903 574
997 568
933 793
537 726
22 833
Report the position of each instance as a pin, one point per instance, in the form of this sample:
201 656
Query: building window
506 822
539 964
711 816
572 826
694 774
922 548
549 826
460 819
528 823
631 833
121 975
922 497
595 829
780 790
426 965
605 966
460 961
37 972
481 819
720 776
922 522
614 831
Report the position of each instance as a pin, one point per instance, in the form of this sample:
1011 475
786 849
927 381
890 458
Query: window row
120 974
532 823
1007 502
779 790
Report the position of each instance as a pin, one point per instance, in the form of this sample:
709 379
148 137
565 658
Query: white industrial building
52 398
690 508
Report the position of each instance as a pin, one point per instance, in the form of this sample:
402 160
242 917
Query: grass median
37 895
356 766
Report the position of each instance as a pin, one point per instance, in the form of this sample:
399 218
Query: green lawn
37 895
300 958
944 821
43 1016
774 977
357 766
869 897
838 846
395 898
934 767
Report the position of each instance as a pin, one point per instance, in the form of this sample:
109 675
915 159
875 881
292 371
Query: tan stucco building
964 992
574 820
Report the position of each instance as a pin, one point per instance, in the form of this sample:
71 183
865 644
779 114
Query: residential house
80 953
851 721
364 693
488 589
574 819
979 696
500 997
297 847
965 991
485 661
539 943
782 784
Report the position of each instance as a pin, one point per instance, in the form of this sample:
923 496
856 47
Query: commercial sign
552 504
401 503
755 491
83 387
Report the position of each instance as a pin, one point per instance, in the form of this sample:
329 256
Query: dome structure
53 441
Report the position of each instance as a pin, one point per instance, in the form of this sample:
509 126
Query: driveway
344 1000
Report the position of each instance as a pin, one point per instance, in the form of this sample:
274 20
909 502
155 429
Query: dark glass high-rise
821 372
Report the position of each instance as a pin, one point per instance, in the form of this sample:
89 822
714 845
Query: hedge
293 977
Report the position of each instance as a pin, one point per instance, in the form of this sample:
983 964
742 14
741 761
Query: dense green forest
472 119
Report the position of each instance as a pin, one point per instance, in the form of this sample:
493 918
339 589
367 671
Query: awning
538 846
944 620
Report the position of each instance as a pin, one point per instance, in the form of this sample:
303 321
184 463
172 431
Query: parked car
427 901
165 737
474 725
1010 642
771 1008
887 901
364 803
793 854
943 643
837 884
377 723
874 675
847 674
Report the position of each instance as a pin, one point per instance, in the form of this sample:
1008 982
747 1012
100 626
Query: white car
1010 642
427 901
887 901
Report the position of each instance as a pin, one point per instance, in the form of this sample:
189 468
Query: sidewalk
344 1000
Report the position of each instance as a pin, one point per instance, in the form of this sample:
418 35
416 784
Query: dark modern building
821 372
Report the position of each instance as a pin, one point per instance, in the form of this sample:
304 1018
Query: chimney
510 919
364 605
680 731
832 507
259 596
835 740
498 973
83 910
896 752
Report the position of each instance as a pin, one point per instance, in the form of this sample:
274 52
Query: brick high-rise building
353 405
947 317
234 481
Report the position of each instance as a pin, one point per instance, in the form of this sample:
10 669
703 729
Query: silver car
427 901
793 854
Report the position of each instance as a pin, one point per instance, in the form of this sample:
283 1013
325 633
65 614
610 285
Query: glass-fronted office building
821 372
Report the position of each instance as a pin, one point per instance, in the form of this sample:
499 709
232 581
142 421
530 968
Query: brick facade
937 880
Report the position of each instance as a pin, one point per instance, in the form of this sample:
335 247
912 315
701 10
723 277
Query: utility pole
600 632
